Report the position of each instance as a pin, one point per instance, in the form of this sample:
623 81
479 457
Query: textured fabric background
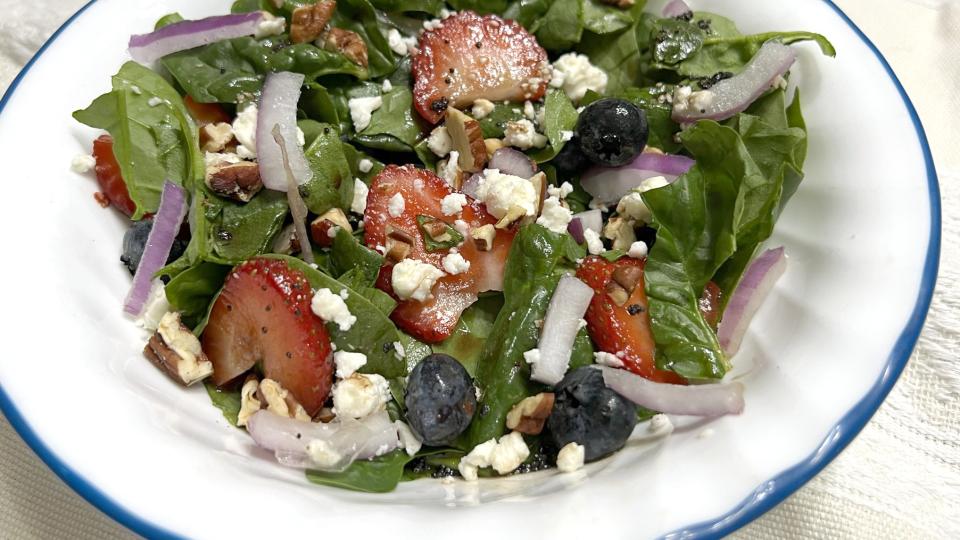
899 479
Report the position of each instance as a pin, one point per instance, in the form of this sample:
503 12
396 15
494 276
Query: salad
400 239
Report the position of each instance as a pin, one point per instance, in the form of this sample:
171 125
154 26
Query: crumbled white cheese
82 163
396 205
638 250
482 108
501 192
432 24
190 369
454 264
631 205
396 43
348 363
361 111
413 279
560 191
359 203
450 168
555 216
532 357
360 395
331 308
607 359
660 422
323 454
439 141
566 135
249 403
398 350
594 243
408 439
462 227
387 86
509 453
245 130
155 307
570 458
453 204
685 100
576 75
270 26
365 165
528 111
476 459
523 135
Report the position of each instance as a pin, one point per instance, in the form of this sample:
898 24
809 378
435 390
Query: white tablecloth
899 479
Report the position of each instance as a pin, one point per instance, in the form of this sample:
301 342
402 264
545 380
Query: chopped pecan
308 22
249 403
492 145
483 237
531 414
399 244
347 43
287 242
621 232
623 282
324 228
177 352
237 181
540 184
280 402
467 138
215 137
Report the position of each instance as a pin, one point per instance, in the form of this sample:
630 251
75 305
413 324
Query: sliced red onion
166 226
694 400
731 96
471 185
575 228
344 440
608 185
560 326
760 277
278 107
591 219
298 208
512 162
676 8
146 48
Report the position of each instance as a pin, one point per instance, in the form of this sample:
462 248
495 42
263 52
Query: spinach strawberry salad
397 239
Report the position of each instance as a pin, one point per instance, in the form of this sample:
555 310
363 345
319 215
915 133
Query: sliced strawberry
435 319
206 113
623 330
710 304
109 177
470 57
263 315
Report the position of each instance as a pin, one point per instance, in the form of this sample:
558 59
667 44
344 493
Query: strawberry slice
470 57
263 315
433 320
109 177
624 329
206 113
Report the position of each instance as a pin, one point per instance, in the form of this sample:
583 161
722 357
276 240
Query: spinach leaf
246 6
152 143
373 334
354 157
393 120
537 260
526 12
233 70
480 6
317 104
332 182
471 333
244 230
675 40
561 27
228 401
192 292
662 128
377 475
559 117
348 254
618 54
361 17
601 18
494 124
432 7
167 20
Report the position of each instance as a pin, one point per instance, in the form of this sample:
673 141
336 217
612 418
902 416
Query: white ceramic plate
862 234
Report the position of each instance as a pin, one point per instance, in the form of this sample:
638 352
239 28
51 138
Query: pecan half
531 414
324 228
621 232
483 237
347 43
215 137
467 138
177 352
280 402
308 22
399 244
249 403
237 181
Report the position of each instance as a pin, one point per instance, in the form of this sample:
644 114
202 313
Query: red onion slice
676 8
575 228
471 185
345 440
146 48
560 326
731 96
694 400
609 185
759 279
512 162
278 106
166 226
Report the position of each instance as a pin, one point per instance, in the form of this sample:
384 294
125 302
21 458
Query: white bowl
862 234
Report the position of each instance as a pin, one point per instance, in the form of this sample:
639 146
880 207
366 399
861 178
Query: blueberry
570 161
585 411
135 241
612 131
440 399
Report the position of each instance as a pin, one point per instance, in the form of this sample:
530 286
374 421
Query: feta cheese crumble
245 130
439 141
396 43
359 203
570 458
576 75
555 216
607 359
365 165
453 204
408 439
482 108
82 163
594 243
413 279
450 168
501 192
638 250
361 111
270 25
685 100
396 205
532 356
331 308
455 264
523 135
360 395
504 456
560 191
323 454
348 363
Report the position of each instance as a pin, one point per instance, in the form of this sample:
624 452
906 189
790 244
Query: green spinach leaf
228 401
472 331
192 292
332 182
348 254
560 119
561 26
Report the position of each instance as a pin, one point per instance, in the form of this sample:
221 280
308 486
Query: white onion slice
183 35
560 326
278 107
347 439
512 162
676 8
166 226
731 96
694 400
471 185
758 280
609 185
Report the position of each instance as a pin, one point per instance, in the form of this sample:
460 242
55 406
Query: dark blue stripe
766 496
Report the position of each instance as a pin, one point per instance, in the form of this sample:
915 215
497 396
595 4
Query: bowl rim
764 497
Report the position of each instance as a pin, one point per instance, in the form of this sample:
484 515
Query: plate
862 234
